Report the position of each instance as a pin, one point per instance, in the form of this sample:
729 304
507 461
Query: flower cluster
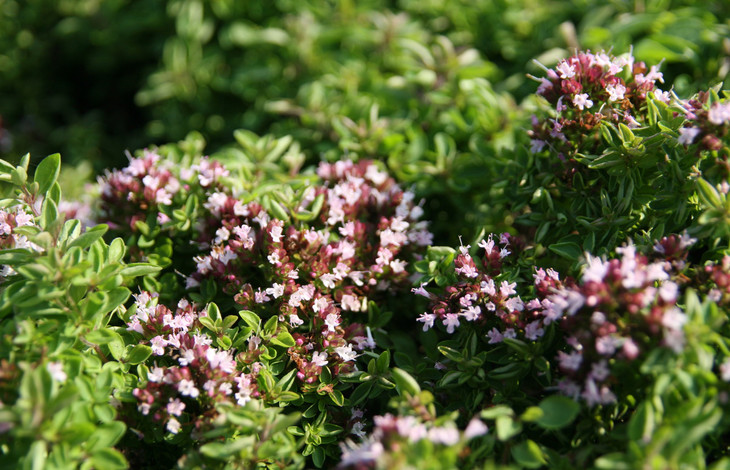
151 185
310 276
194 375
622 308
478 298
9 239
707 124
587 89
395 434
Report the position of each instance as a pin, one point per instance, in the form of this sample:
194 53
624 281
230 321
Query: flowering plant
247 310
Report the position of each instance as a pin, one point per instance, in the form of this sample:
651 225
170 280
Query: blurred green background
93 78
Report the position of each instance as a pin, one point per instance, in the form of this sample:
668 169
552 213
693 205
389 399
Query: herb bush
253 308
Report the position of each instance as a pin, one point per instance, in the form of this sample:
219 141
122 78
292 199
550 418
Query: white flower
276 233
533 330
536 145
173 425
346 353
471 313
358 429
687 135
158 345
319 358
222 234
475 428
444 435
725 370
662 96
427 319
570 361
719 113
156 374
507 289
56 371
495 336
175 407
582 101
616 92
451 322
276 290
565 70
188 388
332 321
674 319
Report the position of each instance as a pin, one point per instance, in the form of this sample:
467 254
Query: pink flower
565 70
475 428
570 361
175 407
615 92
494 336
507 288
158 344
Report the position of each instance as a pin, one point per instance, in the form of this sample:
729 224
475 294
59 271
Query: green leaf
271 325
383 362
139 269
139 354
507 427
360 393
214 312
106 435
91 235
108 458
528 454
102 336
558 412
337 398
497 411
642 423
318 457
37 455
49 214
532 413
47 172
405 382
708 194
568 250
250 318
284 338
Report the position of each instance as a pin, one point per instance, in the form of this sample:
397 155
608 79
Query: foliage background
91 79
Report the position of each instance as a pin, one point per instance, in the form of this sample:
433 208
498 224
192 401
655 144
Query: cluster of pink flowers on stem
309 276
707 124
10 220
587 89
480 299
621 308
391 433
194 375
150 185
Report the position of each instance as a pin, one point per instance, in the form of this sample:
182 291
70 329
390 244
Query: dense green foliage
413 235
